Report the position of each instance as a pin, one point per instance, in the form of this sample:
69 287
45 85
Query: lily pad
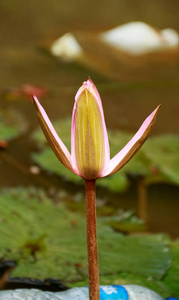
46 240
12 124
171 280
126 222
163 152
48 161
157 160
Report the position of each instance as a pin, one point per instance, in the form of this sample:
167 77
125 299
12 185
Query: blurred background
131 87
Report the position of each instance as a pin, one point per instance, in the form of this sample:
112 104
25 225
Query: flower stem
93 270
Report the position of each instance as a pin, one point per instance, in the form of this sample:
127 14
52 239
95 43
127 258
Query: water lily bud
90 154
90 148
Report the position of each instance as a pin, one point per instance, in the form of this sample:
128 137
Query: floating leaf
126 222
163 152
117 182
171 280
133 253
46 240
49 162
12 124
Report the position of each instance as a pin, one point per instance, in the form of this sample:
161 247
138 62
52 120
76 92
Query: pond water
27 30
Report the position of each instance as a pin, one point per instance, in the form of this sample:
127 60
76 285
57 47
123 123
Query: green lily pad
12 124
117 182
130 251
163 152
127 222
171 280
157 160
48 161
47 240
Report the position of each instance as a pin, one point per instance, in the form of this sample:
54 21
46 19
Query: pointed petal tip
158 108
34 98
155 111
152 117
36 102
90 80
89 84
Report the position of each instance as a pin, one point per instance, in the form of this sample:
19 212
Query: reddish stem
93 270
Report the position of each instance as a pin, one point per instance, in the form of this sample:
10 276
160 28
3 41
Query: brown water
26 27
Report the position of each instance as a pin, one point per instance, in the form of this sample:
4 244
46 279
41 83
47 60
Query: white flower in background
138 38
66 47
135 38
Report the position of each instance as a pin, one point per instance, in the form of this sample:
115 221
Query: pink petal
52 137
120 159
